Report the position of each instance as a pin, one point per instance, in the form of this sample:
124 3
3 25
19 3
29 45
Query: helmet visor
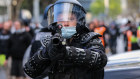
63 12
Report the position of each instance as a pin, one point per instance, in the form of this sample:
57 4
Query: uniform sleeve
93 56
37 64
28 39
35 46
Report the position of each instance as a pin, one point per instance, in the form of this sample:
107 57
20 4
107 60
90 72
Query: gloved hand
55 48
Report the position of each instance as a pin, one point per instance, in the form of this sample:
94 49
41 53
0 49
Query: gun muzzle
55 40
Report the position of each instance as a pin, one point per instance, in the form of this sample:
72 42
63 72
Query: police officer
36 44
69 50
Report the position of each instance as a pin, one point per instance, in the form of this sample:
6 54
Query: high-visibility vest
2 59
101 31
130 36
138 33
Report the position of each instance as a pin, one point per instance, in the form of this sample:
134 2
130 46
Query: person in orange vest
133 34
101 29
123 30
138 35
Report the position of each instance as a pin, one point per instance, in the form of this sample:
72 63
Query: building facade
5 10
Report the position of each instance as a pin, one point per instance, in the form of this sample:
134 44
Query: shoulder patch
88 36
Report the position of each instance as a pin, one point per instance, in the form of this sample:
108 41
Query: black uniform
114 33
84 59
18 45
81 56
4 43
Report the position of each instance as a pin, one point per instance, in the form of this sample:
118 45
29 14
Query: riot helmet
70 11
44 22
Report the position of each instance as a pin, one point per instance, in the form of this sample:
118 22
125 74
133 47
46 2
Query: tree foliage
97 7
115 7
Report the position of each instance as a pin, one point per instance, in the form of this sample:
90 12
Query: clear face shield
64 13
67 15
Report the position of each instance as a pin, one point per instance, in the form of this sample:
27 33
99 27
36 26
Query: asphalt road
123 74
2 74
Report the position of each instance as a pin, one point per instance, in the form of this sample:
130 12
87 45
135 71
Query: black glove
55 48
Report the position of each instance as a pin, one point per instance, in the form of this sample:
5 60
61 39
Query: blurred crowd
130 31
15 37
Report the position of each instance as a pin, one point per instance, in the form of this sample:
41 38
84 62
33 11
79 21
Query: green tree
97 7
114 7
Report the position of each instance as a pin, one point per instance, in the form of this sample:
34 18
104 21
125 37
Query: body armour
84 59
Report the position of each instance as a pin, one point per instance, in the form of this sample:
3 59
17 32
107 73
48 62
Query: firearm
57 38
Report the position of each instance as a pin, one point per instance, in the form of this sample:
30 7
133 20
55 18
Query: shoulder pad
88 36
45 38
